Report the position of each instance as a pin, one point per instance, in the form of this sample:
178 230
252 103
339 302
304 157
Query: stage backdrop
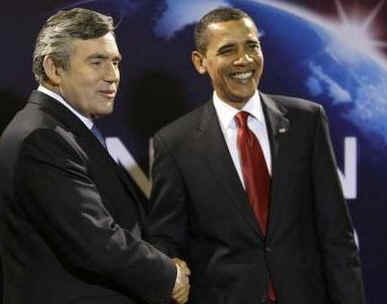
332 52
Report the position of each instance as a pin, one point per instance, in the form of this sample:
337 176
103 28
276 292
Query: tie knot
241 119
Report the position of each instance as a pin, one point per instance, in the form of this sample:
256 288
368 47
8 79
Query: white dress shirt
87 121
256 123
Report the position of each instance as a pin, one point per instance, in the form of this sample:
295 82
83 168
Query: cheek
215 70
221 74
260 60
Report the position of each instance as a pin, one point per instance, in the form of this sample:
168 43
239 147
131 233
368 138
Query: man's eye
225 51
254 46
96 63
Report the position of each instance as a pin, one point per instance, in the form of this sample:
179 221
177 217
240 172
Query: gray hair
56 36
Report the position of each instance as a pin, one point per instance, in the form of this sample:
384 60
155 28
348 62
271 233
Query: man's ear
52 70
199 62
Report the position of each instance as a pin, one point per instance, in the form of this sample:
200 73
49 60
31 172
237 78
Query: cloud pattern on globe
349 77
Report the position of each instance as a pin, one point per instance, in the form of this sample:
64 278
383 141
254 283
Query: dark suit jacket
200 211
70 218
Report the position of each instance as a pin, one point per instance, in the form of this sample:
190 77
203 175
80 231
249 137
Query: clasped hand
181 289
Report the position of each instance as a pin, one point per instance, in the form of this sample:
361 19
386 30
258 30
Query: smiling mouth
242 77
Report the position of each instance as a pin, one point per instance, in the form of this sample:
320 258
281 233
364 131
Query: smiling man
71 220
235 80
245 188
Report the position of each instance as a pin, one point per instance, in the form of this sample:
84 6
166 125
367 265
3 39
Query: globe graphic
302 58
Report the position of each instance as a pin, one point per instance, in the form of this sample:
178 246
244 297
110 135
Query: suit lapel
73 124
219 160
100 155
278 127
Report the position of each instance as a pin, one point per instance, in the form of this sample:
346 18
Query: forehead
105 45
235 30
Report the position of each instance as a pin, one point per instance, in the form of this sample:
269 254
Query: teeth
242 76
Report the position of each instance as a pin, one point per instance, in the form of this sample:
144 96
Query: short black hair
221 14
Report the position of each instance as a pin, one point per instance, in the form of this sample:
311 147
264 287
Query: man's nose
112 73
243 58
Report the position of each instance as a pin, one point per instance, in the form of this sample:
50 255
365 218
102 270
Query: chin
105 112
243 91
242 98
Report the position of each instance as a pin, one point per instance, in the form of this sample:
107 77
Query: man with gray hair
71 220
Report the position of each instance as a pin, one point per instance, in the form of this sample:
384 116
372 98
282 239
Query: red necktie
255 175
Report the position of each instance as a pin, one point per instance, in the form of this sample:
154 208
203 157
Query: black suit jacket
70 218
200 211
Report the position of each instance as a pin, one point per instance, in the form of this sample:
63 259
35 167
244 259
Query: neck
51 87
236 105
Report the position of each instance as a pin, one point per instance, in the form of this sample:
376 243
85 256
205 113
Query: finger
182 298
185 295
178 293
181 292
182 264
187 271
184 268
178 290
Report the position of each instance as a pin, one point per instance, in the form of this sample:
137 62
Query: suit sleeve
67 209
340 253
167 212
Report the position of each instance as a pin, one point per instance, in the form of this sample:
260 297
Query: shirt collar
226 113
87 121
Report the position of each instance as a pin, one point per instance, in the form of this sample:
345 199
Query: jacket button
268 249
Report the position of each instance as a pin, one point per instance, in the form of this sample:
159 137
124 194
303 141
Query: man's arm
67 209
167 214
340 254
167 218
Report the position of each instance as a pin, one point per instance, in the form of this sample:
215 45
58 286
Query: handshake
181 289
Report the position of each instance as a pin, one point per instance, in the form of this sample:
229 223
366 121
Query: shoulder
290 103
36 131
29 121
184 127
303 115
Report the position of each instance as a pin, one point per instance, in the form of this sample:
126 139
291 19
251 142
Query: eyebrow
231 44
253 41
102 56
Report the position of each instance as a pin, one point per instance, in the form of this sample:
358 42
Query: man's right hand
181 289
